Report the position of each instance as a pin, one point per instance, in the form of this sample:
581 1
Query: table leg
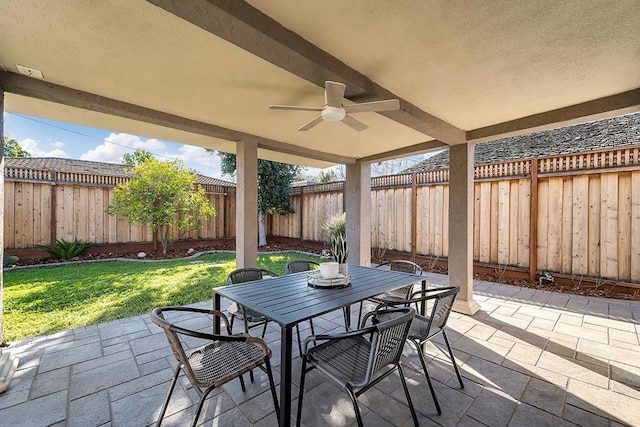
216 319
423 311
285 376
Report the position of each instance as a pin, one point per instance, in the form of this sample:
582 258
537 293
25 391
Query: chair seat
216 363
345 360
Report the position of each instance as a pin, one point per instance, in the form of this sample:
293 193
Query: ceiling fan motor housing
333 114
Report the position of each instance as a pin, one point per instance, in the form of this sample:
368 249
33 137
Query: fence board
493 227
594 226
567 221
543 223
635 226
503 222
524 204
624 226
609 225
485 222
579 247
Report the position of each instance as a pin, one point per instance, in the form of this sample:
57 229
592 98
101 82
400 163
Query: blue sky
48 138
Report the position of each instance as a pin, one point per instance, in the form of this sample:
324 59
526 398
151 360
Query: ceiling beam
39 89
245 26
423 147
597 109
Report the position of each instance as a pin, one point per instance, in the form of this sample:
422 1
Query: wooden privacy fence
576 214
42 206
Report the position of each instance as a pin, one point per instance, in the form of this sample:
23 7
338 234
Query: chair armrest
260 343
157 312
331 337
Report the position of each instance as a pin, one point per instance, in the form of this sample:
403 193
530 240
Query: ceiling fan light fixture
333 114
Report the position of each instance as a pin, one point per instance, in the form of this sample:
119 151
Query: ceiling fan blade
292 107
386 105
311 124
354 124
333 93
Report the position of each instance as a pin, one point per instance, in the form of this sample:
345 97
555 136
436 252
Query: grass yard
45 300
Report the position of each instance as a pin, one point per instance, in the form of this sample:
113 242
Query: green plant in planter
339 249
65 250
336 226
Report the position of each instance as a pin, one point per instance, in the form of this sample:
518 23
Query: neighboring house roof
87 167
590 136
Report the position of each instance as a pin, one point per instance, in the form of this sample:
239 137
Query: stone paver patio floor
528 357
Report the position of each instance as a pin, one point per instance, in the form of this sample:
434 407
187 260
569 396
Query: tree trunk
164 230
262 233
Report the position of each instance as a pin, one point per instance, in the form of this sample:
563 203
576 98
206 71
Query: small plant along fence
576 214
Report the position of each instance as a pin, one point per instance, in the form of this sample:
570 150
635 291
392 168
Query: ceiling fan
334 111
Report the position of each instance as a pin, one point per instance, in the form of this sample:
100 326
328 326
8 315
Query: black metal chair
250 318
425 328
219 360
358 360
395 295
299 265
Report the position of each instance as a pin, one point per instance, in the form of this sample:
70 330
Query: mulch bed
280 244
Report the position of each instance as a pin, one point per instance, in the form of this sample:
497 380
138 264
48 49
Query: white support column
357 190
461 166
8 363
247 204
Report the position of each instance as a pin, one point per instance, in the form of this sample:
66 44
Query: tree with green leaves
274 188
162 195
327 176
137 157
12 148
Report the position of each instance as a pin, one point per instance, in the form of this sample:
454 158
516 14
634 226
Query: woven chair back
175 343
299 265
442 305
388 341
249 274
403 266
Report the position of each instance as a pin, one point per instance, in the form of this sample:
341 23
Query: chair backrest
403 266
442 305
157 317
248 274
388 339
298 265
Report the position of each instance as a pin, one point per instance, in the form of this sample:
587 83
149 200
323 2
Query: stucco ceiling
204 72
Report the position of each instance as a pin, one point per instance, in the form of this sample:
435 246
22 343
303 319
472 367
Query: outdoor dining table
289 300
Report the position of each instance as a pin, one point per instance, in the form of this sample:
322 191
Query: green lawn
45 300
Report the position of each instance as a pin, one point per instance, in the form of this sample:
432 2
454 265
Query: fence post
533 221
53 219
300 214
414 217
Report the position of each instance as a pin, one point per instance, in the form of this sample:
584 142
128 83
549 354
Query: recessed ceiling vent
30 72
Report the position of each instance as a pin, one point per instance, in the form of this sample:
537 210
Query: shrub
336 226
65 250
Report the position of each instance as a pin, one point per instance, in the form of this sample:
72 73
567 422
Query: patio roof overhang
203 72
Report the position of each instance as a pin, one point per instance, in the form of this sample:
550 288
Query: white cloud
33 147
117 144
200 159
58 144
